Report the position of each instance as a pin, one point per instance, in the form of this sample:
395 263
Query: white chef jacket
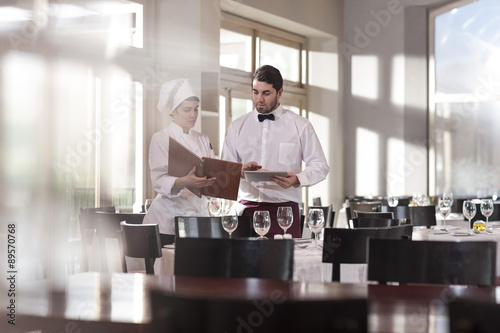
279 145
167 205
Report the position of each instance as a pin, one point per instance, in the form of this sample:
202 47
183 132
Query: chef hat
173 93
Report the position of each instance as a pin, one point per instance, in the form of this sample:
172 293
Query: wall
385 96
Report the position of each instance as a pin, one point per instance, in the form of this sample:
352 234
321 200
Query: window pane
240 106
286 59
235 50
466 53
466 159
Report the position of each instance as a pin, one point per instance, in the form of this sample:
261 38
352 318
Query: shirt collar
177 129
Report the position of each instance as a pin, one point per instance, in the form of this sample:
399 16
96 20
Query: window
246 45
465 99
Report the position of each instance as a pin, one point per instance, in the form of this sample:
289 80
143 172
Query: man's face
265 97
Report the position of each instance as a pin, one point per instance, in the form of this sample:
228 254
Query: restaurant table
120 302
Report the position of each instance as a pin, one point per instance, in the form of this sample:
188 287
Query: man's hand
285 182
251 166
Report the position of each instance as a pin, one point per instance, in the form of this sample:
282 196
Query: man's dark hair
270 75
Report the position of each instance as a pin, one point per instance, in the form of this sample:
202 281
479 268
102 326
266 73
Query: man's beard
267 110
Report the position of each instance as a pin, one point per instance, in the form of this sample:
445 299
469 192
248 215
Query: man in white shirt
272 138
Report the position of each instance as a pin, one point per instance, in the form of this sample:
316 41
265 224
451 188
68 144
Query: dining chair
174 312
236 257
432 262
348 246
423 215
495 216
108 227
142 241
87 220
210 227
468 315
361 206
400 212
382 215
374 222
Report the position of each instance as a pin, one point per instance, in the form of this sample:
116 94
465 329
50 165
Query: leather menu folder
181 160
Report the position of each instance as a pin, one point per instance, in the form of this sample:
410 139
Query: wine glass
147 204
214 206
444 207
261 223
315 221
448 196
285 218
229 223
469 210
392 200
487 209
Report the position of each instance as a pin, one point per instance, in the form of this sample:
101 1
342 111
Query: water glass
285 218
469 210
487 209
229 223
315 221
444 207
392 200
261 223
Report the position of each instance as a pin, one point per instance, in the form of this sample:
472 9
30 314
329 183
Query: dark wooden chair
400 212
210 227
361 206
466 316
108 227
381 215
237 257
495 216
348 246
432 262
423 215
142 241
87 220
374 222
194 313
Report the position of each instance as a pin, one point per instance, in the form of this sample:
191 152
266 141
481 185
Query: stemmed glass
285 218
315 221
444 207
229 223
487 209
214 206
469 210
392 200
261 223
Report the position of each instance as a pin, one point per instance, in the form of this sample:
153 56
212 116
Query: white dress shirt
167 205
279 145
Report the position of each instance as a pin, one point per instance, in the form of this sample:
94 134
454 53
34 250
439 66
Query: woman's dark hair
270 75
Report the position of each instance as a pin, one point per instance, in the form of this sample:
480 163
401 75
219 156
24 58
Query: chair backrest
342 245
466 315
108 226
172 312
423 215
210 227
400 212
237 257
142 241
374 222
432 262
361 206
495 216
381 215
87 221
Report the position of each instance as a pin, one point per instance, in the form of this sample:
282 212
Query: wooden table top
97 302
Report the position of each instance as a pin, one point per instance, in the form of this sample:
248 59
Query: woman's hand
285 182
191 180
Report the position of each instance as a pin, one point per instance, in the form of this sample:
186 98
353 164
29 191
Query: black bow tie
263 117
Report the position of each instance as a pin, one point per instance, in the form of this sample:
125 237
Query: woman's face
185 115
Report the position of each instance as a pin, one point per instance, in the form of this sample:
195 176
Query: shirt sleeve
158 162
317 167
229 152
